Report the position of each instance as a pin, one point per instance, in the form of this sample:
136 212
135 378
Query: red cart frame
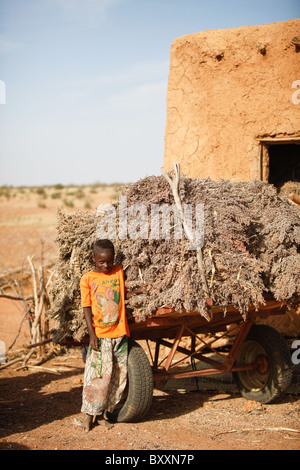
169 325
256 355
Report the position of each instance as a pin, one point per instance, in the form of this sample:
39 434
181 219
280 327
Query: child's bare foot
103 421
87 423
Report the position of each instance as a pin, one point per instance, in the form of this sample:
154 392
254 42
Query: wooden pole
174 183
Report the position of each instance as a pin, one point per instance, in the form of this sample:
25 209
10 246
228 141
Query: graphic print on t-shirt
107 302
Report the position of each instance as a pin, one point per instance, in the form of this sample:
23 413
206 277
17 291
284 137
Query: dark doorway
284 164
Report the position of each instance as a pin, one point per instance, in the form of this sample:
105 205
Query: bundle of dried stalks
251 247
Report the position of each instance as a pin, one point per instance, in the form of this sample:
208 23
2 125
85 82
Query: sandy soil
41 410
40 406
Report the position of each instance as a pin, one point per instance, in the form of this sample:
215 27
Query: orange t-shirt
105 293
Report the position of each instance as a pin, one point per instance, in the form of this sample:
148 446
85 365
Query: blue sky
86 82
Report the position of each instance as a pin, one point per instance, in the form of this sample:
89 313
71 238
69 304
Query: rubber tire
263 339
138 394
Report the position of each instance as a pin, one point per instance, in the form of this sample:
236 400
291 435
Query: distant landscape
28 216
28 220
68 196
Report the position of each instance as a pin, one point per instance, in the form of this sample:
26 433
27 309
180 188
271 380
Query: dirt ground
40 406
41 410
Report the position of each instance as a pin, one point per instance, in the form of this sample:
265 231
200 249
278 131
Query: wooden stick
50 278
10 363
26 359
40 343
53 371
280 429
39 298
45 359
5 272
174 183
141 276
20 326
11 297
33 280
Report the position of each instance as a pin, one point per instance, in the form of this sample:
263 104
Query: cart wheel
273 375
137 397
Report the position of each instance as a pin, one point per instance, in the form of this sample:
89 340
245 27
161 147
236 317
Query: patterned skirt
105 375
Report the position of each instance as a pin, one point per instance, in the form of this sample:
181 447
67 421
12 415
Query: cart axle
164 375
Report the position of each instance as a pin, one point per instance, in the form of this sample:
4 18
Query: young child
103 300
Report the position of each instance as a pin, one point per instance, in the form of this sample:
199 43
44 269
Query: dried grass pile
251 247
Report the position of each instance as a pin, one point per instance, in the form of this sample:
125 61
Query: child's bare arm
88 318
139 290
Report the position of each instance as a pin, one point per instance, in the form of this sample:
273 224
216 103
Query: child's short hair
104 244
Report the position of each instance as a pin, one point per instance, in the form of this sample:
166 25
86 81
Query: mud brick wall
227 91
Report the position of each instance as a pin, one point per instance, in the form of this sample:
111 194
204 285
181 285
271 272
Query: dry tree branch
11 297
276 429
174 183
39 301
20 326
26 359
10 363
50 278
40 343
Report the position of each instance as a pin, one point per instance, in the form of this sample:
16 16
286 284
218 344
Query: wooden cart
256 355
